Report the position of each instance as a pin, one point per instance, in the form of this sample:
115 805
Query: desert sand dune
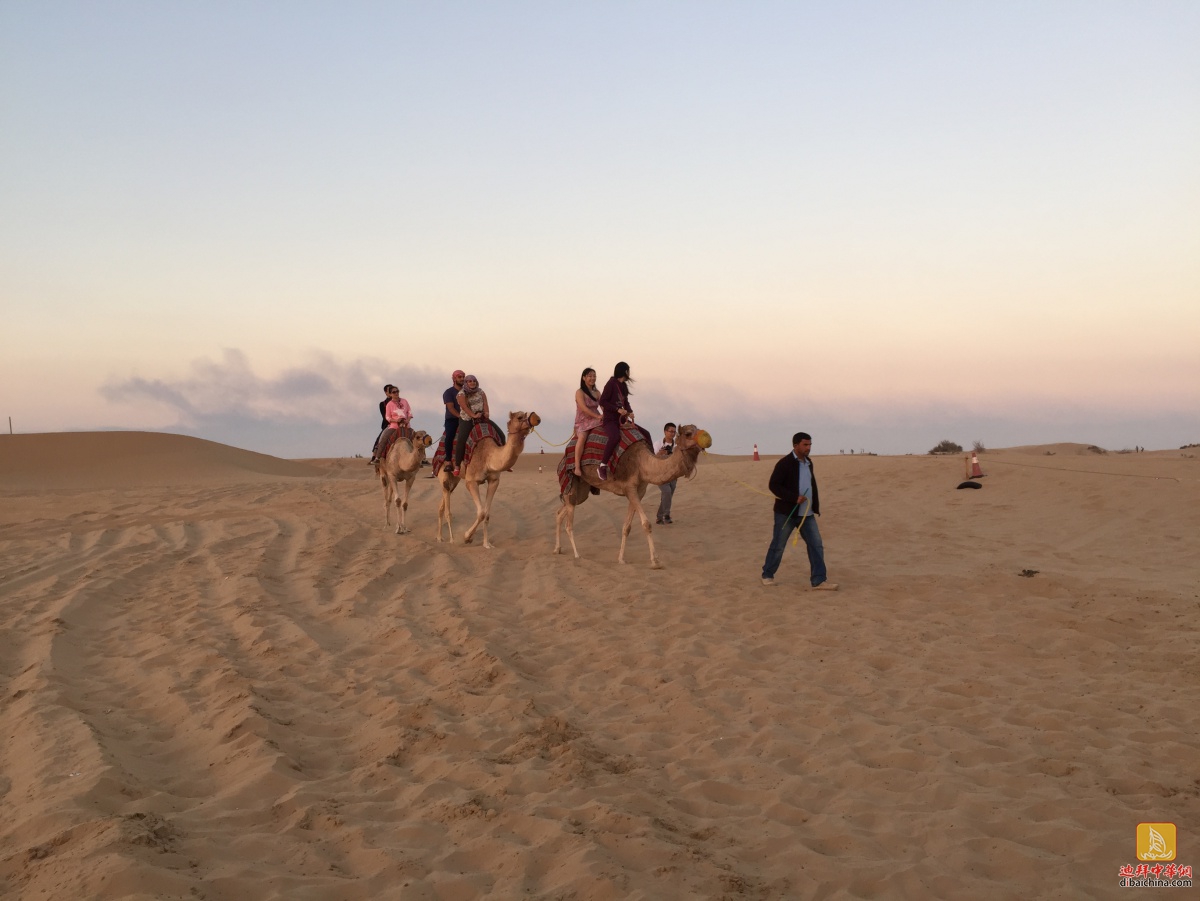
224 678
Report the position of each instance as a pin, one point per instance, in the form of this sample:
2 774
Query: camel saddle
593 452
481 430
390 437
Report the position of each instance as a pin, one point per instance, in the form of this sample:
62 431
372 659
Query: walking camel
489 461
400 467
637 468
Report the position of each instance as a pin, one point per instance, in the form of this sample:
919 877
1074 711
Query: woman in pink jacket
397 413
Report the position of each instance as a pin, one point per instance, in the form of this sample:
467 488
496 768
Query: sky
886 224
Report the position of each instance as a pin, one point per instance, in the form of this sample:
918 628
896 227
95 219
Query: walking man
667 489
797 505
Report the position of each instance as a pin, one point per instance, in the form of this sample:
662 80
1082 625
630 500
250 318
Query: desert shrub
946 447
1096 450
978 447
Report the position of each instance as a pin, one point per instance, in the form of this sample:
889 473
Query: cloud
324 406
323 390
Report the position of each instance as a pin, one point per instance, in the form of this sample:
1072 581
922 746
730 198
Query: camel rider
617 412
396 415
473 407
387 396
450 399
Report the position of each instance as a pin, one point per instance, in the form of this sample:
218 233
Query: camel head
421 439
688 436
521 423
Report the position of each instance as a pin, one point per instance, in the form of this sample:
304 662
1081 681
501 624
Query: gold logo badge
1156 841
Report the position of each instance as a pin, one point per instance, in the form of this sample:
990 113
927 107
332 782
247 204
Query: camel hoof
654 564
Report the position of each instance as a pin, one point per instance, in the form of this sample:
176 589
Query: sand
224 678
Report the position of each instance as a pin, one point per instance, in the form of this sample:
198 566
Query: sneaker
602 473
658 522
826 586
456 471
768 581
668 520
372 462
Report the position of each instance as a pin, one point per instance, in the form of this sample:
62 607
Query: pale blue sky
886 223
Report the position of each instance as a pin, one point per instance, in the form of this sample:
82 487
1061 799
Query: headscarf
467 391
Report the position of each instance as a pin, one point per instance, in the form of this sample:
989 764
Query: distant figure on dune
797 506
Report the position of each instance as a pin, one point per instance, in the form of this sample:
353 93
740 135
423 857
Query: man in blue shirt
797 505
450 400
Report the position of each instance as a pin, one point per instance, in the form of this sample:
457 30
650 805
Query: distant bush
946 447
1186 446
1096 450
979 448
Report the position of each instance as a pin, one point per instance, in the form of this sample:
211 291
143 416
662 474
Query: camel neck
508 454
680 463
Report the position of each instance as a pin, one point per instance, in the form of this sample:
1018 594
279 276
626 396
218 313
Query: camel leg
469 535
648 529
387 499
570 524
636 507
558 524
444 513
487 510
625 526
402 507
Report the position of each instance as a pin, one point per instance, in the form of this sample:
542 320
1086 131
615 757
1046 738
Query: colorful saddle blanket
593 452
390 437
479 431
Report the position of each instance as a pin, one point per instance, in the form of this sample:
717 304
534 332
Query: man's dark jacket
785 485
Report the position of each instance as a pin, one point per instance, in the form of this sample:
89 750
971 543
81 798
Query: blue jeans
784 523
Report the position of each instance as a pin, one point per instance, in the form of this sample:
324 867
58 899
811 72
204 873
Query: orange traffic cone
756 452
976 472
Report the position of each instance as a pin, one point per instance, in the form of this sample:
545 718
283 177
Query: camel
400 467
637 468
488 462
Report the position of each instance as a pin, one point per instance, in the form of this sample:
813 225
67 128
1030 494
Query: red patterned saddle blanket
391 436
593 452
479 431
